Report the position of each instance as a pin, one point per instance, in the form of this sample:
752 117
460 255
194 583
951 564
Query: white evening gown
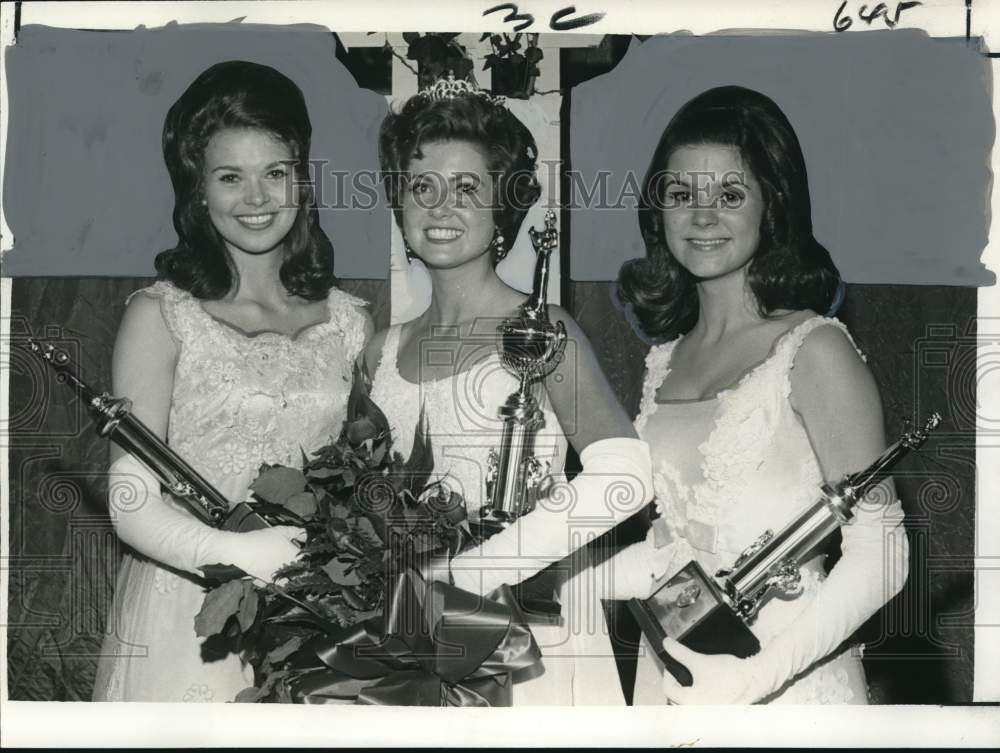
726 469
461 411
238 401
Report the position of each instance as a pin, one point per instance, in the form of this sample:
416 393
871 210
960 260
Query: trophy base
691 609
484 528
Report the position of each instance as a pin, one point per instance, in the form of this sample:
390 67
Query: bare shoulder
143 322
143 303
828 370
827 347
143 362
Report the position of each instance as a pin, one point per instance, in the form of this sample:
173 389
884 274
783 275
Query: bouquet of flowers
359 617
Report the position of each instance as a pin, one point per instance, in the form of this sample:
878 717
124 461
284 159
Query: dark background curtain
920 343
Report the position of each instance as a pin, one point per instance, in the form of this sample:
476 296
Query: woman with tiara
751 400
460 177
241 354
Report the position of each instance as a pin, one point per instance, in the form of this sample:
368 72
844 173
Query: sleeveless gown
724 470
461 412
238 401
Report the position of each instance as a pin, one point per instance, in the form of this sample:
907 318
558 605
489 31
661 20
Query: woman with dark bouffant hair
789 270
241 354
752 399
459 172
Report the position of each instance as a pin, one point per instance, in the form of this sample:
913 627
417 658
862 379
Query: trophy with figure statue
530 345
113 419
713 615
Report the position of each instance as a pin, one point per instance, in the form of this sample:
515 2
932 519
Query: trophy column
529 345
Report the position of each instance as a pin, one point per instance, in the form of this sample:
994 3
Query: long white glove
615 483
153 527
635 571
871 570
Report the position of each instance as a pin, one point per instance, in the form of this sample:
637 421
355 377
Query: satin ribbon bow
438 645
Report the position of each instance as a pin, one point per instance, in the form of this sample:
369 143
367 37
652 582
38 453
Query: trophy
711 616
113 418
529 346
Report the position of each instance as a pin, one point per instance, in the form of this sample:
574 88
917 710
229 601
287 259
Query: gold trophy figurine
529 346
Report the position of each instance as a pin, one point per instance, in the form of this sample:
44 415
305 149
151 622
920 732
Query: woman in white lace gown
240 355
750 401
461 173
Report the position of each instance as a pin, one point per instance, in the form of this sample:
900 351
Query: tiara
452 88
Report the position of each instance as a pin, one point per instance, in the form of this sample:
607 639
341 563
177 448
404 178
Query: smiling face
713 210
249 189
448 205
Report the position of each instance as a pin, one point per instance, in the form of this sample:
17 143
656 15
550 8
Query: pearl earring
500 251
410 255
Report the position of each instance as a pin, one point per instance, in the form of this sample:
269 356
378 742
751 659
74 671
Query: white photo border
143 725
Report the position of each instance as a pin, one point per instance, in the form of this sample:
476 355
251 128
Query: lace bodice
756 463
461 415
755 469
239 401
463 425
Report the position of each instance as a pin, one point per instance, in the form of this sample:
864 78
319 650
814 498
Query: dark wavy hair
506 143
789 270
238 94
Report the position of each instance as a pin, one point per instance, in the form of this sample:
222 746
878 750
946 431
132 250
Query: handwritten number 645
843 22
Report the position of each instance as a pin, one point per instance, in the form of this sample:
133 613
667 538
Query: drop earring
499 250
410 255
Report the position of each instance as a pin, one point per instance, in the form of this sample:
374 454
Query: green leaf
342 573
361 430
379 453
302 504
278 483
318 474
285 650
284 692
367 531
420 464
353 601
249 695
248 606
360 406
219 605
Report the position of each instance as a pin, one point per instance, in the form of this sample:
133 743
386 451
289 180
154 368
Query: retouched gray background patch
896 128
86 191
